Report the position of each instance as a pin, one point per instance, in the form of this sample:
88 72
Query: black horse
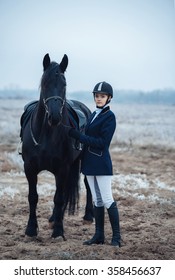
47 146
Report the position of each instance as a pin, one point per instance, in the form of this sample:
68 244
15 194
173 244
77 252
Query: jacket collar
106 109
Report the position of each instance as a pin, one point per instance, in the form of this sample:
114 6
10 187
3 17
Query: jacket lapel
91 117
93 114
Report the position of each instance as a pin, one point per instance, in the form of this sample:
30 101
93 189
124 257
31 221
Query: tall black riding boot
114 220
98 237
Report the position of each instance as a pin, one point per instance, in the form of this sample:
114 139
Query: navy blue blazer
96 158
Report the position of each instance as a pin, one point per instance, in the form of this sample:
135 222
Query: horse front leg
58 211
32 225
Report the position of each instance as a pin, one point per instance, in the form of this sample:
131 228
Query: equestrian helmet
103 87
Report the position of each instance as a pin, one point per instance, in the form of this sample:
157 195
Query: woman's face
101 99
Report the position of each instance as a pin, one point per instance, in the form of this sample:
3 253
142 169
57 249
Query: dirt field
143 185
147 214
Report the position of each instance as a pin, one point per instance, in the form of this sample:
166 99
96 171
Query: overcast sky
128 43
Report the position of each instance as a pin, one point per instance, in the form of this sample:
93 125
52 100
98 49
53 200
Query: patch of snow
163 186
129 185
9 191
133 181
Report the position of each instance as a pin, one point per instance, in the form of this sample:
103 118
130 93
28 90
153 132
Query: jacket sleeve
105 135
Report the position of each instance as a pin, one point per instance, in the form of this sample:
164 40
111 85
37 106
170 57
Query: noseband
55 98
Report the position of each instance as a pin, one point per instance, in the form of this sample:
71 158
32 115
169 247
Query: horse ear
46 61
64 63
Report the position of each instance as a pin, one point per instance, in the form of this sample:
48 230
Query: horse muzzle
54 109
54 119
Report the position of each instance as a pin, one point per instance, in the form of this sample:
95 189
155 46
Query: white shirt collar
98 110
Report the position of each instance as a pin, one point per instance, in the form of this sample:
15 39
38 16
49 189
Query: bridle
55 98
45 100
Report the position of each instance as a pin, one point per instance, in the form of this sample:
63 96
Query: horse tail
72 188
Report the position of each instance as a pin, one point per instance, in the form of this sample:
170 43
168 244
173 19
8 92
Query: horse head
53 89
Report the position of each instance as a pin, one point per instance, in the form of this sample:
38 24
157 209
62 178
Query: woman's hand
74 133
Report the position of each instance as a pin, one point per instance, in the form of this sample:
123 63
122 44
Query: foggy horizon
129 44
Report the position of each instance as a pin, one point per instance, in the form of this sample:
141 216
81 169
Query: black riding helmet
105 88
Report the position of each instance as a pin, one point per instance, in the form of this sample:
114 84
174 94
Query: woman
96 163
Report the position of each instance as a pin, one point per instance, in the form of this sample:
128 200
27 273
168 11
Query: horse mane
48 76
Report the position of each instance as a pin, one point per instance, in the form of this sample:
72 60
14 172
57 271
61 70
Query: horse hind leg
89 210
52 219
32 225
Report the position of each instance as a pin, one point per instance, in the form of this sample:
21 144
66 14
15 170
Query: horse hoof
30 233
30 238
86 222
58 239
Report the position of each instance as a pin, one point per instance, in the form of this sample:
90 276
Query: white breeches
101 190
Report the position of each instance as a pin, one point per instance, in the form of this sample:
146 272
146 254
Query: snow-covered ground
145 124
137 125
